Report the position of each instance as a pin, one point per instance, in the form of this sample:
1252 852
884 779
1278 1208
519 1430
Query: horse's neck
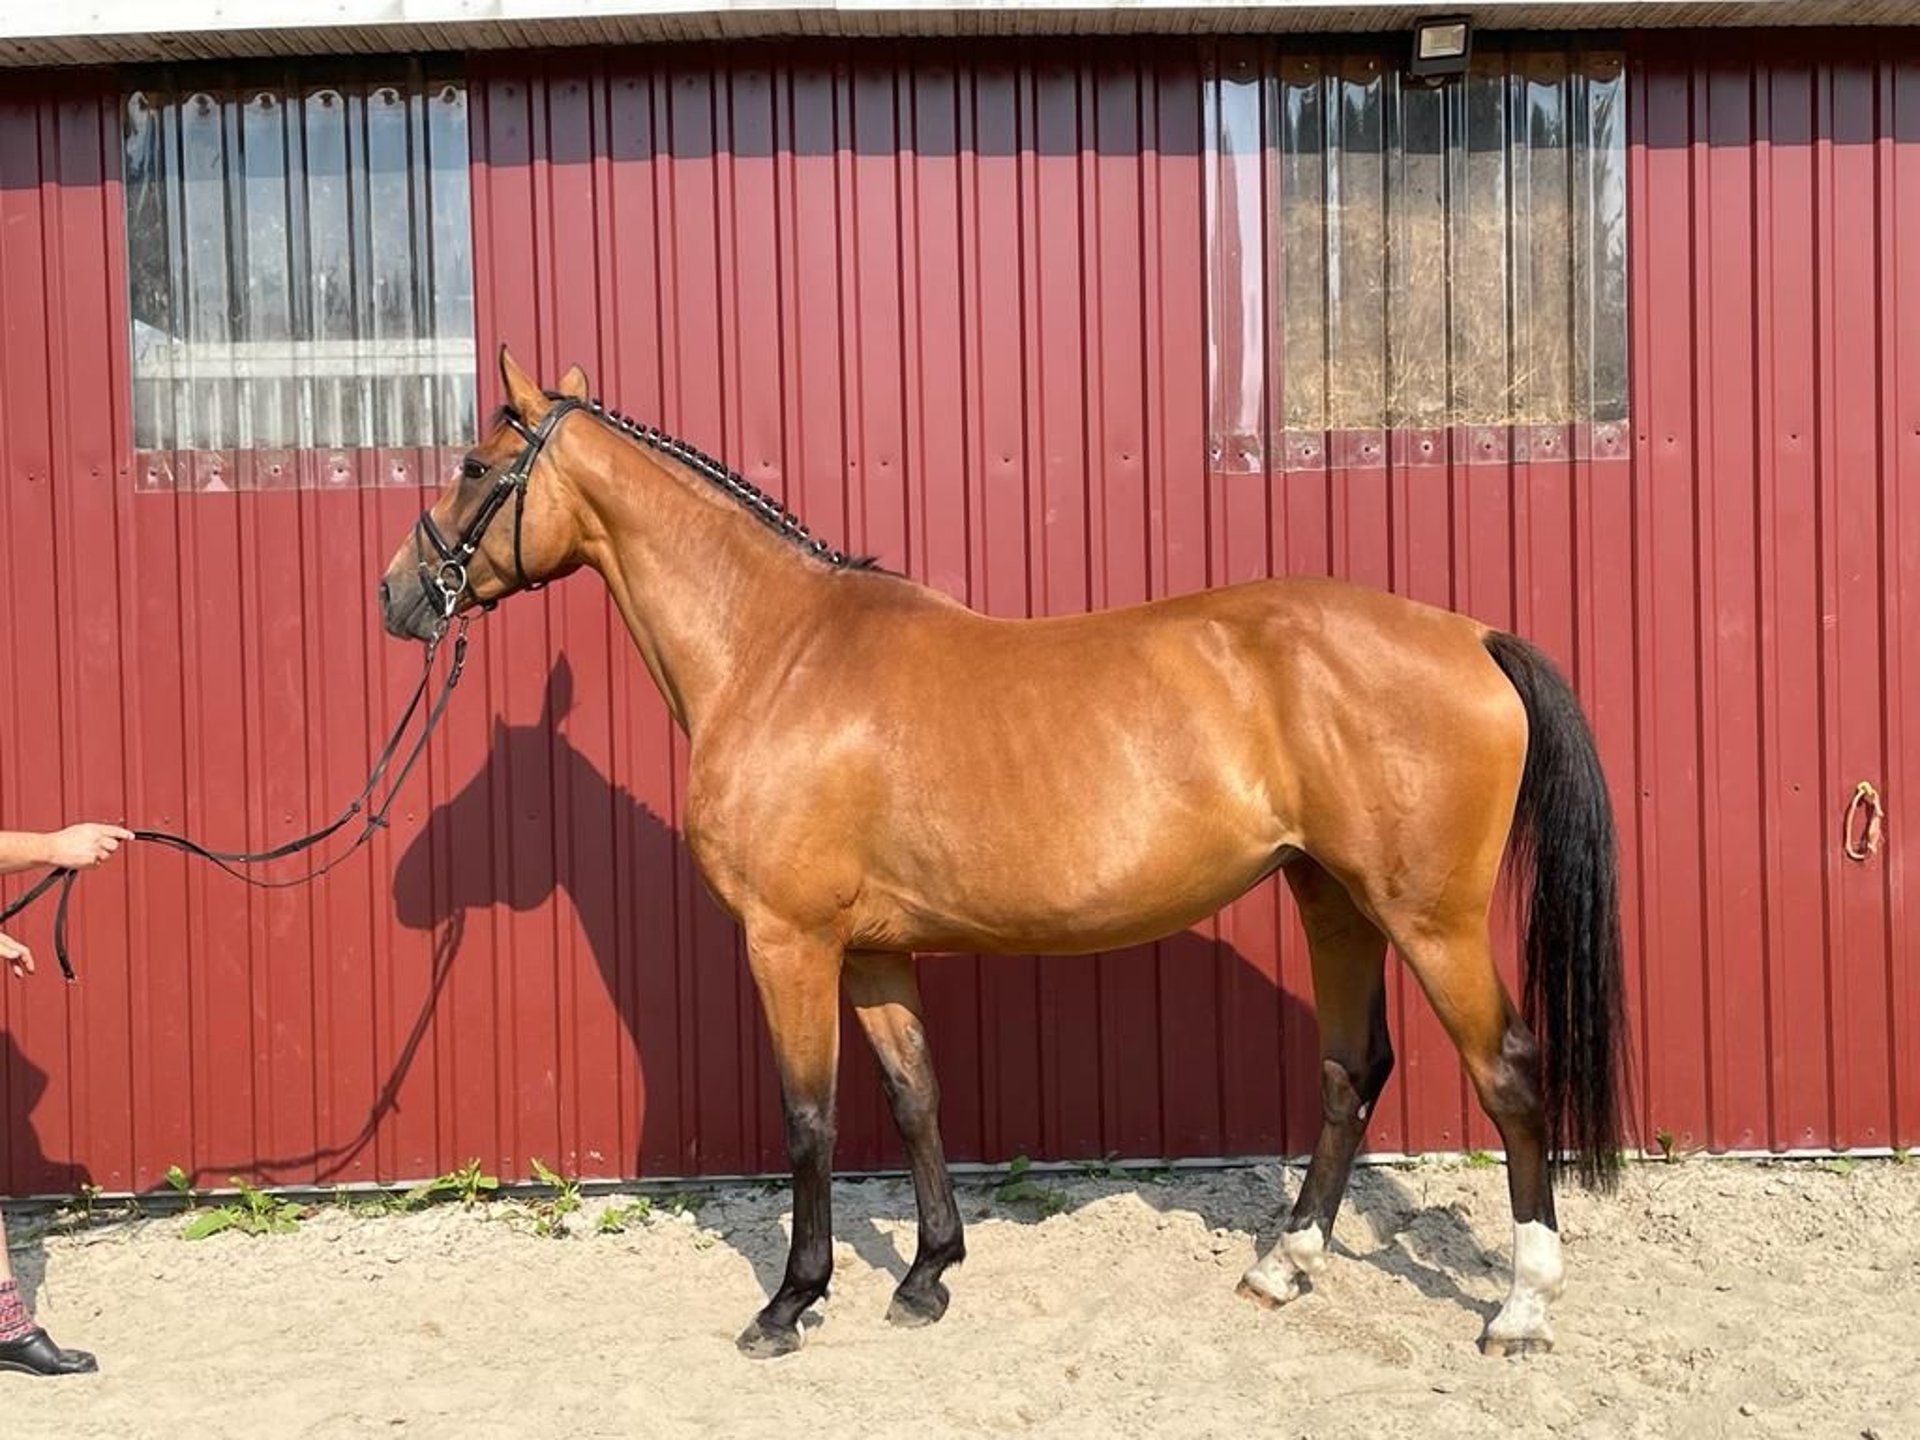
703 586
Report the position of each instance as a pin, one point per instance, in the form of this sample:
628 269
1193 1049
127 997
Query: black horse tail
1564 859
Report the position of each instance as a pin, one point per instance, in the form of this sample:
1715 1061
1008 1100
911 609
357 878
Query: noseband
448 583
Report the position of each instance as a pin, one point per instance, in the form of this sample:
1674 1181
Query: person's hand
16 954
81 847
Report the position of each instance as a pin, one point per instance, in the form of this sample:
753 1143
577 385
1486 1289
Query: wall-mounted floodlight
1441 45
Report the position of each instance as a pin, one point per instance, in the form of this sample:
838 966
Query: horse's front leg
799 979
886 1000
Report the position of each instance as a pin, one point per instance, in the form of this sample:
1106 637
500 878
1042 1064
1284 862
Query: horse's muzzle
405 612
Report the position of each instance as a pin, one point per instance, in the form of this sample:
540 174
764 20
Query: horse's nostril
386 593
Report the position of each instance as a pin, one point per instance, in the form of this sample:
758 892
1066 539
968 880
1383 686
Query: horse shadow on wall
636 957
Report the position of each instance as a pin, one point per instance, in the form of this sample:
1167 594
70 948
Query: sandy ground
1708 1298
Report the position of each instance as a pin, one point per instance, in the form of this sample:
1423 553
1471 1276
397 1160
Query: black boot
34 1353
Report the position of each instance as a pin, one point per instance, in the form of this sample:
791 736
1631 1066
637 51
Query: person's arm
78 847
22 850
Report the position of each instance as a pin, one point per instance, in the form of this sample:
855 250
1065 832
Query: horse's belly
1072 894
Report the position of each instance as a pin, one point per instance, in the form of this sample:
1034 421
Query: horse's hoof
760 1341
1252 1288
1496 1348
911 1311
1259 1297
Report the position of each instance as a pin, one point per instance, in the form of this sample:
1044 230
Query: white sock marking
1281 1275
1539 1275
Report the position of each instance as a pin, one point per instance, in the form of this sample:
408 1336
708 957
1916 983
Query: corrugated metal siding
949 301
1775 535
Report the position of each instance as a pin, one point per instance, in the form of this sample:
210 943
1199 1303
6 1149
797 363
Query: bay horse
876 770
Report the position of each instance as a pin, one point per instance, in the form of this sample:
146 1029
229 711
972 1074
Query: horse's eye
473 469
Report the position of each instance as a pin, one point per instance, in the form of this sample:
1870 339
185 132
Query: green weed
251 1212
1017 1189
551 1217
469 1185
622 1215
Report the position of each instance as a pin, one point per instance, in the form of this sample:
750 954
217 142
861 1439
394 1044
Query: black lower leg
886 997
921 1298
810 1132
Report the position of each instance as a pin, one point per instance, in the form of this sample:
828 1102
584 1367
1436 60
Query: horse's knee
810 1134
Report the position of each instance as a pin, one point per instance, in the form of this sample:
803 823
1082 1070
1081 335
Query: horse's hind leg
798 979
1455 968
886 998
1356 1056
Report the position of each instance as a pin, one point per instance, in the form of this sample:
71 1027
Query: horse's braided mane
757 502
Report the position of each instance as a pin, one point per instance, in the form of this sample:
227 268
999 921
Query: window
300 259
1416 273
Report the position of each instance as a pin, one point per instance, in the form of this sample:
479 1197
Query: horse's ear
574 383
521 391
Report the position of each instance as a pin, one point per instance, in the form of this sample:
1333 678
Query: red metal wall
1766 565
949 301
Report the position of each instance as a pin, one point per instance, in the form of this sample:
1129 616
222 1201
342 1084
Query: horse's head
504 522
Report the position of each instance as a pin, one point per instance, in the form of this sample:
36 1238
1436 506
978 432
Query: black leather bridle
447 582
446 585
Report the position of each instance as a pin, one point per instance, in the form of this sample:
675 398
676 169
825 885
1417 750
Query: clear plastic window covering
301 262
1409 273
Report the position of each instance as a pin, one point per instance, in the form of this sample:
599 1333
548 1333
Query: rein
231 860
446 585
